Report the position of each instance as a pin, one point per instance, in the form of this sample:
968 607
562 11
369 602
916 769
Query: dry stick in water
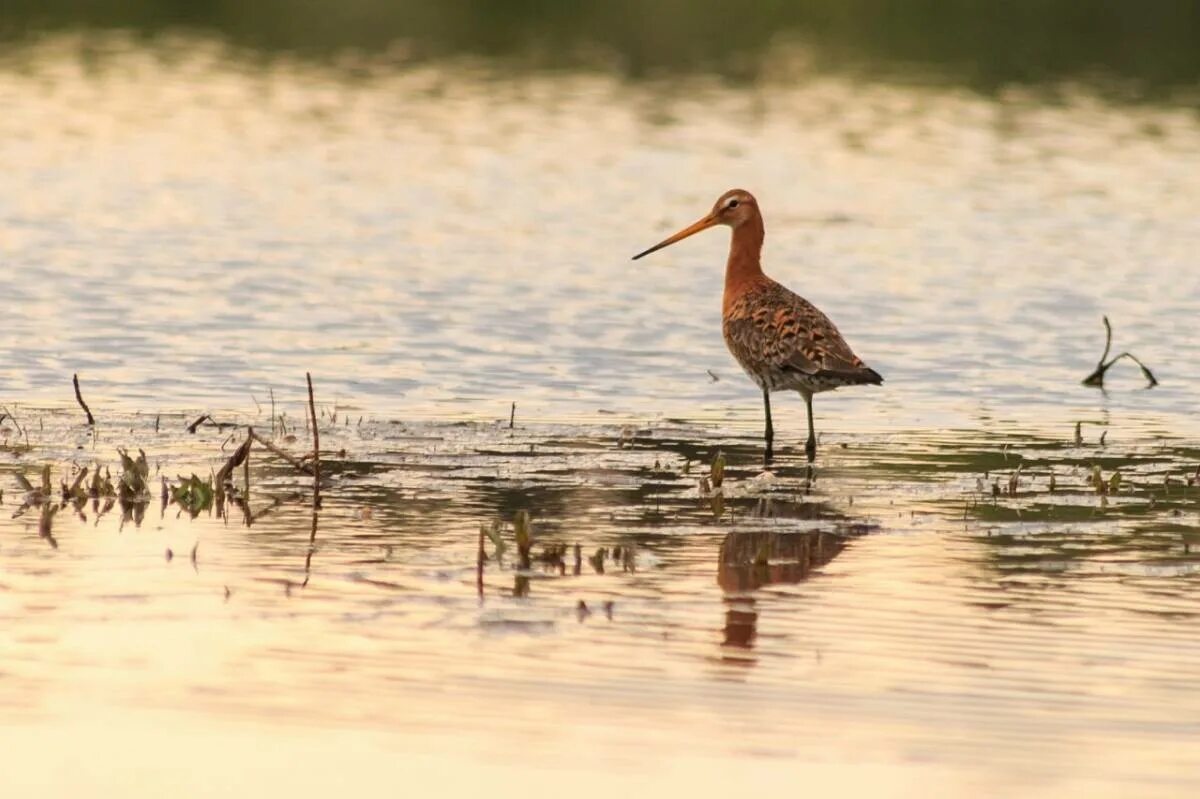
312 538
246 474
235 460
191 428
9 414
79 399
297 464
312 410
1096 378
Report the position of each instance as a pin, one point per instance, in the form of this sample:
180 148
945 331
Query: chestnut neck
744 267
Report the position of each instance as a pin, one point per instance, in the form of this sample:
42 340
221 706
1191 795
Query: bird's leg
769 433
810 446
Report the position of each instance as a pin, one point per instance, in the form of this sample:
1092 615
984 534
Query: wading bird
782 340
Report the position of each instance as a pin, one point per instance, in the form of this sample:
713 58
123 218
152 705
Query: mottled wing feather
780 338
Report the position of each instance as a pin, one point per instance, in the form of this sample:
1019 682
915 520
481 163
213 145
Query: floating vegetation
134 485
1096 378
553 557
102 486
76 490
193 494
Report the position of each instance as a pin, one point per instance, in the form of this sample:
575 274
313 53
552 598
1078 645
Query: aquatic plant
193 494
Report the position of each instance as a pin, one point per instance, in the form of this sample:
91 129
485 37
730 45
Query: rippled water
190 230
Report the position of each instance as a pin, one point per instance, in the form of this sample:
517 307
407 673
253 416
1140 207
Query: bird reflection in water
751 559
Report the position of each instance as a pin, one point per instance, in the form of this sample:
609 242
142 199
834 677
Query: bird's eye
733 203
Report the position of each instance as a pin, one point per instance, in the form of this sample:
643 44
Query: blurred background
1145 48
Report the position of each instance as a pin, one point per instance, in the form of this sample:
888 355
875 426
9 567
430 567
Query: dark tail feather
864 376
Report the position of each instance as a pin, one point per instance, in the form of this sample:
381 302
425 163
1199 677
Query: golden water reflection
888 605
749 561
436 241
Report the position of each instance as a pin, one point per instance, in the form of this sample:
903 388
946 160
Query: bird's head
733 208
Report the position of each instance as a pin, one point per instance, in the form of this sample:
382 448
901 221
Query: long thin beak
695 227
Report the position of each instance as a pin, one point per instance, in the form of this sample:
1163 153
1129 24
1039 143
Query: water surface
191 229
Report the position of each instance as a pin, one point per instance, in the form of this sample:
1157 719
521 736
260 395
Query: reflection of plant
75 494
492 531
718 469
35 495
102 486
523 528
551 557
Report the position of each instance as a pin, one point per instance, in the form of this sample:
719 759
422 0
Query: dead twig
191 428
235 460
9 414
1096 378
312 410
194 426
246 473
297 464
79 399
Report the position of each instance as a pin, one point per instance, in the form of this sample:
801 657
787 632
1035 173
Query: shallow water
190 230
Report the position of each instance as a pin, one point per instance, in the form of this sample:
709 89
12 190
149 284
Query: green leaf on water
193 494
